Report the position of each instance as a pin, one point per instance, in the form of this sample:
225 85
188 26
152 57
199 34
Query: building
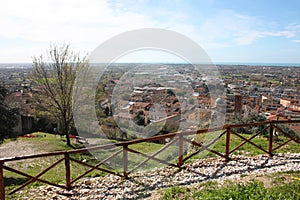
285 102
238 103
24 102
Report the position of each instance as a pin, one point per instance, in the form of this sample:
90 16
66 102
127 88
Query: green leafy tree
8 116
251 118
191 101
139 118
55 76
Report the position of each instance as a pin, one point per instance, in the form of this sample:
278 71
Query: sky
228 30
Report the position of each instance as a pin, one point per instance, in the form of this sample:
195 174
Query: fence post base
2 186
180 151
270 140
125 161
227 144
68 171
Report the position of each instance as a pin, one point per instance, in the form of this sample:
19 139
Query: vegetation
246 149
51 143
55 78
253 189
8 116
139 118
47 143
251 118
56 175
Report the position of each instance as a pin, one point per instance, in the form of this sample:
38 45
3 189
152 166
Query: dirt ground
19 148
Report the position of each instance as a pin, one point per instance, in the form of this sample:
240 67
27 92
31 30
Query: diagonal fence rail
270 129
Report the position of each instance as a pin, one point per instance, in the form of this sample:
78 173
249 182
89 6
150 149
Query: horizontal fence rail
123 148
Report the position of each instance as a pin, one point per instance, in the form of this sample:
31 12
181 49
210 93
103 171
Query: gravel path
143 185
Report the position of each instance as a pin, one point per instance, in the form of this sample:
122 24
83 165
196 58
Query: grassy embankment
247 149
277 186
51 143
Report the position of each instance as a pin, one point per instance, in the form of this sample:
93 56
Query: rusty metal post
270 139
227 143
125 160
180 150
2 186
68 171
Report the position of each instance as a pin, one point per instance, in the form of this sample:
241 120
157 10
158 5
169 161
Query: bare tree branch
55 79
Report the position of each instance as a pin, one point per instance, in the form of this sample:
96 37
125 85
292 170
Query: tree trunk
68 139
66 130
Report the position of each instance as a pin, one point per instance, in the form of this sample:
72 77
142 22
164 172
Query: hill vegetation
275 186
43 142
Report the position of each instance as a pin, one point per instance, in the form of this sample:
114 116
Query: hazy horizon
262 64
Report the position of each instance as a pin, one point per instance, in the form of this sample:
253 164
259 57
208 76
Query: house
136 106
22 101
295 106
285 102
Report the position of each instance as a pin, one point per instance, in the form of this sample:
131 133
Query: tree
191 101
55 79
8 116
251 118
139 118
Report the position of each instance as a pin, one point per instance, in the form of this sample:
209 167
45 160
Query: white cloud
250 36
20 53
83 24
69 21
296 41
86 24
228 28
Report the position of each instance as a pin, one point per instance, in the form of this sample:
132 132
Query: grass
47 143
247 149
51 143
253 189
134 159
169 154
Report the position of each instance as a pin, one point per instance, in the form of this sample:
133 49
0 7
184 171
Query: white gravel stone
141 184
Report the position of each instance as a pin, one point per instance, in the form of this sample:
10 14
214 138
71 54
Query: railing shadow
12 181
200 177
